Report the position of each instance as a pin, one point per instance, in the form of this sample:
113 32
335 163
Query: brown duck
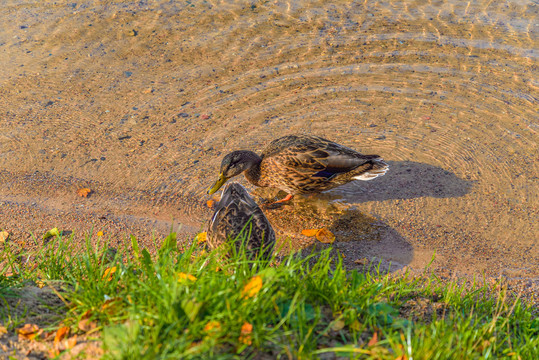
237 216
301 164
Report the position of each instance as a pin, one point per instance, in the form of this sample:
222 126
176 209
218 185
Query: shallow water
141 100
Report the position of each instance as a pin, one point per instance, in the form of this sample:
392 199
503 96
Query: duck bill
217 184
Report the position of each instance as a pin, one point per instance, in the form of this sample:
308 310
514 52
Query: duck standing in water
300 164
237 216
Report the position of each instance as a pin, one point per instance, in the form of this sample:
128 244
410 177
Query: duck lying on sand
300 164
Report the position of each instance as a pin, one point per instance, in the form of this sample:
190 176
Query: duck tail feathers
379 168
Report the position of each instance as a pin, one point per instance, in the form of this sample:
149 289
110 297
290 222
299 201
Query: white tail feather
372 174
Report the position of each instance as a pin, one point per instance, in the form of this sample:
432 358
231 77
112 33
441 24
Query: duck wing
313 156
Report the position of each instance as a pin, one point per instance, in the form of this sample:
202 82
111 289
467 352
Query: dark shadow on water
362 239
404 180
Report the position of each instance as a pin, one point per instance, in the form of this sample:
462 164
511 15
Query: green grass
308 307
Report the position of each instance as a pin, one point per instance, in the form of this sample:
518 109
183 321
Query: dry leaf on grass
3 331
337 325
252 287
212 326
60 335
245 335
110 306
183 276
84 192
210 203
29 331
85 324
374 340
60 346
109 272
356 325
201 237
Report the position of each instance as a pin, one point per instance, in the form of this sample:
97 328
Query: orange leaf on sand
60 334
252 287
53 352
245 335
325 236
109 272
4 235
71 342
29 331
309 232
373 340
84 192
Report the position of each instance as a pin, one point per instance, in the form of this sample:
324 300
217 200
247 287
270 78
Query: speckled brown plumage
302 164
237 215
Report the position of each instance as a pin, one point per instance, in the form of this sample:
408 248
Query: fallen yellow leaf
212 326
356 325
109 272
184 276
52 232
71 342
252 287
3 331
362 261
201 237
325 236
245 335
29 331
4 235
309 232
110 306
40 284
210 203
337 325
53 352
84 192
85 324
373 340
60 334
100 233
